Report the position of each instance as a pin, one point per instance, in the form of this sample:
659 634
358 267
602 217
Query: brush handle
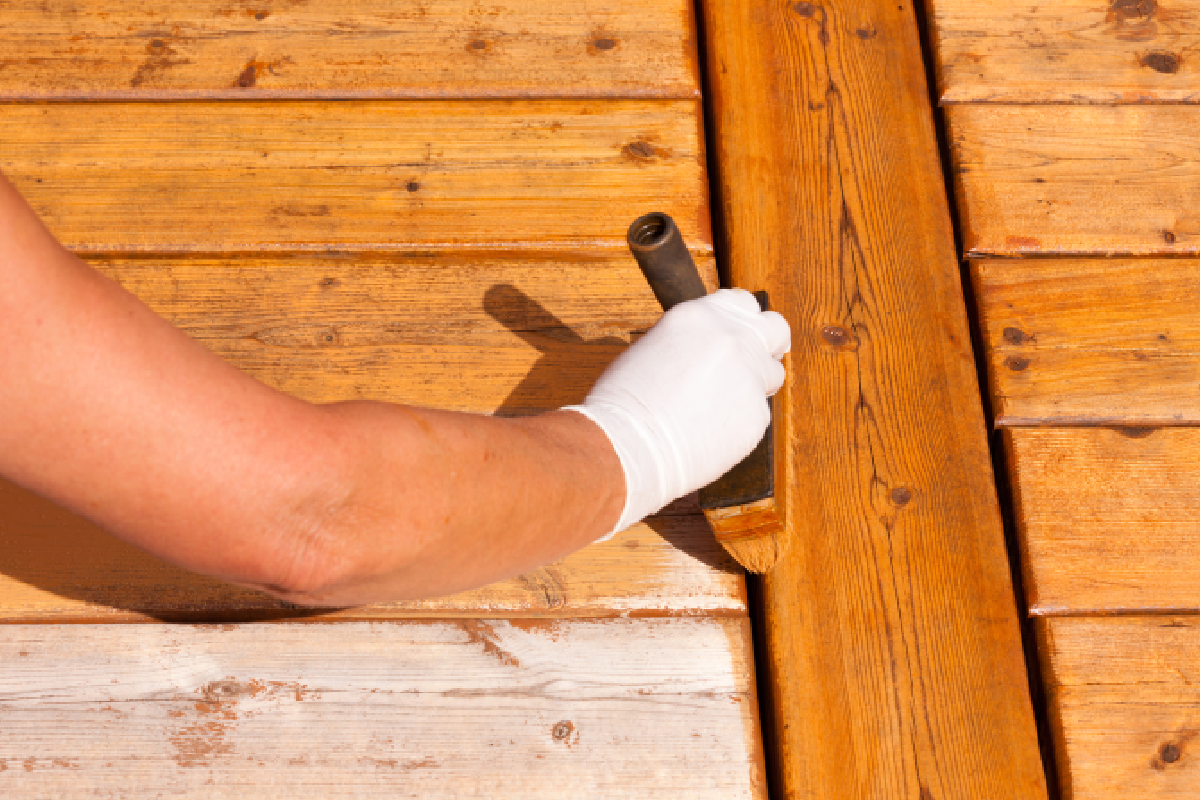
657 245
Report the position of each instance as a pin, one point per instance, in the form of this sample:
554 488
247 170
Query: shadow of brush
567 364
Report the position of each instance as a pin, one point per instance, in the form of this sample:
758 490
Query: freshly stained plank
1108 517
893 651
1125 705
54 566
1068 51
472 332
414 176
137 49
614 708
1091 341
1087 180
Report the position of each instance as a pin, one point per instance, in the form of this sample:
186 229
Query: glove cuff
645 490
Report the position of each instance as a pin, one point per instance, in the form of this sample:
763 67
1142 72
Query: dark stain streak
300 211
1136 431
1018 336
480 632
159 59
548 582
249 76
1166 63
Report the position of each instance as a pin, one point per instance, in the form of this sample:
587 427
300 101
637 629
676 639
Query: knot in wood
835 335
563 730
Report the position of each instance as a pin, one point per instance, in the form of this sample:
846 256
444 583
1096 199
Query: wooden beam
340 49
656 709
894 655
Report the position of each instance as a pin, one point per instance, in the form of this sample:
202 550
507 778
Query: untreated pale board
1091 341
1068 51
1108 517
893 649
55 566
1125 704
481 332
498 709
410 176
138 49
1085 180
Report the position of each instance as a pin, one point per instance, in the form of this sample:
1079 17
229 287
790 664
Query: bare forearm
121 417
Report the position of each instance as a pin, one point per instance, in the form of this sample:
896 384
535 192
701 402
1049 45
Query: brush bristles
757 555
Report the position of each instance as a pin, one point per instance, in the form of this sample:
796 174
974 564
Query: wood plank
1125 705
615 708
56 567
1068 51
1079 180
894 655
1107 517
134 49
1091 341
487 333
415 176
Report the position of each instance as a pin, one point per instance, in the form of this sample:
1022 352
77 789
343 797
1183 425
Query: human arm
117 415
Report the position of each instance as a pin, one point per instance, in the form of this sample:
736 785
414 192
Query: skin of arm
120 417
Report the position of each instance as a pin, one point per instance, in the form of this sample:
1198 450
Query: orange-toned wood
1086 180
248 49
1108 517
656 709
415 176
1091 341
1067 51
894 657
492 333
55 567
1125 705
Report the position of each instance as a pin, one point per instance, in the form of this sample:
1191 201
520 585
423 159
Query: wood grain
1082 180
1068 51
1089 341
56 567
414 176
487 333
894 655
501 709
1125 705
1108 517
245 49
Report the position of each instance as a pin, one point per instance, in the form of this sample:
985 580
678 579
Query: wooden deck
1073 133
426 203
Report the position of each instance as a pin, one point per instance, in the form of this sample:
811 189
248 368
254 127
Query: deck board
411 176
605 708
1125 705
1086 341
1108 518
56 567
1067 51
1077 180
335 49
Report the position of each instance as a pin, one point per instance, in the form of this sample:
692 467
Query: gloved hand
688 401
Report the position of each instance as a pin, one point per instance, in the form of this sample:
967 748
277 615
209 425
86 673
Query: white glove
688 401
